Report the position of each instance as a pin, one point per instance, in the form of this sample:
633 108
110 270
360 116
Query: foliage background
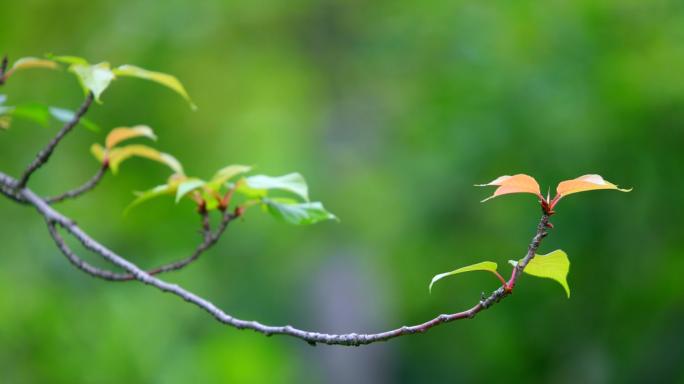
392 110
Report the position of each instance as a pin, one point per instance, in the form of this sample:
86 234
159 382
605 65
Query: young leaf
293 182
67 59
120 134
120 154
65 115
94 78
225 174
482 266
188 186
98 151
296 213
34 112
585 183
519 183
142 197
162 78
33 62
554 265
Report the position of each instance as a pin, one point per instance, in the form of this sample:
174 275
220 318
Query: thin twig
44 155
54 218
86 187
209 239
3 69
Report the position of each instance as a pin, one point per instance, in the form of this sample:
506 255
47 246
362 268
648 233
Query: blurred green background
392 110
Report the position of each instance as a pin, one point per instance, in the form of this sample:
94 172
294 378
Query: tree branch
86 187
209 240
44 155
54 218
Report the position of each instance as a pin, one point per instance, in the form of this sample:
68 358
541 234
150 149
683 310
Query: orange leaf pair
522 183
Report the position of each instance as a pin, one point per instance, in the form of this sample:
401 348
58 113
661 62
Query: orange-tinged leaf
98 151
120 154
120 134
33 62
585 183
519 183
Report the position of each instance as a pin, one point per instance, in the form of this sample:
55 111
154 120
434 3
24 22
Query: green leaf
36 113
67 59
65 115
162 78
94 78
293 182
297 213
482 266
225 174
188 186
117 135
144 196
120 154
554 265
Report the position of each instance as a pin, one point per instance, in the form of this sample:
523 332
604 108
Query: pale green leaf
162 78
188 186
225 174
482 266
94 78
293 182
65 115
554 265
297 213
157 191
117 135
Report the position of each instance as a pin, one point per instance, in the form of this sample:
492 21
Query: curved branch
54 218
86 187
44 155
209 240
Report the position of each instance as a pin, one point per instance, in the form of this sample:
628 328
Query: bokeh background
392 110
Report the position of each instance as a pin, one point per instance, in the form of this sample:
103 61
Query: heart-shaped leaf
93 78
117 135
162 78
293 182
519 183
554 265
297 213
482 266
225 174
585 183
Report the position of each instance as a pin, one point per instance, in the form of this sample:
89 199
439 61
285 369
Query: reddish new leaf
519 183
585 183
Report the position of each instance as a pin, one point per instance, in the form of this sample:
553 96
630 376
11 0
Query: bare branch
87 186
54 218
209 240
44 155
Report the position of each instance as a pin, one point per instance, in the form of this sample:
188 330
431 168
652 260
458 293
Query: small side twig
86 187
44 155
209 240
3 69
